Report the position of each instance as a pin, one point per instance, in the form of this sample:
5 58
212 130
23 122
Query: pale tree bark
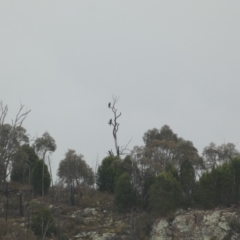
45 228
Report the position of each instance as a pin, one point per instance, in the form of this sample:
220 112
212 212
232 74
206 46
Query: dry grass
107 219
12 230
94 198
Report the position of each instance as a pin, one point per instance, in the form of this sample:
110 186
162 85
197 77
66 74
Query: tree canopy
74 167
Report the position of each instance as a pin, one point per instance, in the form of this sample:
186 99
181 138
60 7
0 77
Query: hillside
95 217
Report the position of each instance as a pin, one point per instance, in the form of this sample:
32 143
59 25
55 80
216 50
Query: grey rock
196 225
105 236
87 212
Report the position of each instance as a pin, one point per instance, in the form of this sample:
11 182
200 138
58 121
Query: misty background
170 62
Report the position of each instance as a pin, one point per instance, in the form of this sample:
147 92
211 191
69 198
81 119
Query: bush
187 177
204 194
235 169
43 223
143 226
15 231
37 178
217 187
171 169
124 193
105 175
24 161
64 236
165 194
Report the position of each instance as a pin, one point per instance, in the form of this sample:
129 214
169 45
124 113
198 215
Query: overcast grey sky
171 62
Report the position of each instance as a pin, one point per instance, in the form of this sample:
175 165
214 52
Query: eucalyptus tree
162 147
12 136
43 145
74 169
214 155
23 163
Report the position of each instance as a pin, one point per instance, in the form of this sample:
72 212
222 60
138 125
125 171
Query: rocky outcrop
100 224
197 225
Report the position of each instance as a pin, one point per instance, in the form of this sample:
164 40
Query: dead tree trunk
113 122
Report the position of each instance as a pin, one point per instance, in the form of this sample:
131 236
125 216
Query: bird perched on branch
109 105
110 122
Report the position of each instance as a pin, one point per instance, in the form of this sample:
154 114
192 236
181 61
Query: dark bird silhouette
110 122
109 105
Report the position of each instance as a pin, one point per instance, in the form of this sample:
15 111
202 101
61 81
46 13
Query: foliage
143 171
204 194
187 177
165 194
11 138
235 169
43 223
219 186
143 225
37 177
186 151
214 155
45 144
171 169
162 147
165 133
106 175
74 167
124 193
24 161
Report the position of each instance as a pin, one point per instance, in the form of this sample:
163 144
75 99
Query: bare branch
13 139
20 117
118 116
125 148
115 125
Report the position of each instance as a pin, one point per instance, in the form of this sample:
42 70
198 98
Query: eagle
109 105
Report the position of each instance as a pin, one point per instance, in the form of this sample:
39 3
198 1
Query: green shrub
24 162
143 225
165 194
105 175
37 178
13 231
64 236
124 193
187 177
204 194
218 187
43 223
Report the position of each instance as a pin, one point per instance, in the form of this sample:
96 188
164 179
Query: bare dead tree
11 141
114 122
